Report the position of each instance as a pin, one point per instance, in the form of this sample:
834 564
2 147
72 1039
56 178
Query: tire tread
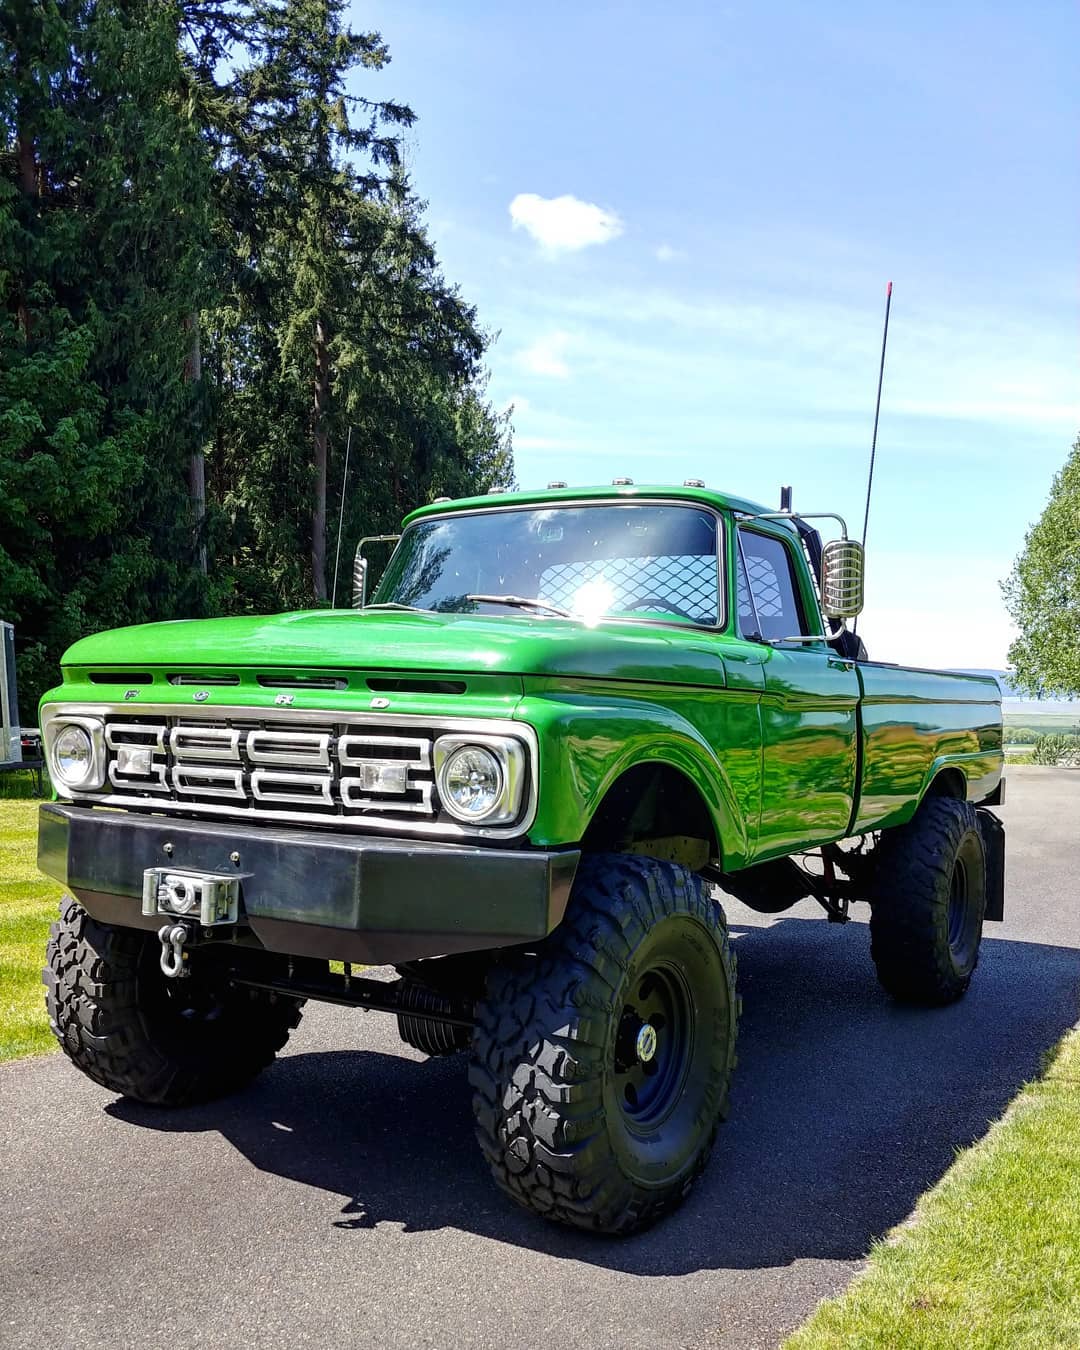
539 1044
92 997
910 905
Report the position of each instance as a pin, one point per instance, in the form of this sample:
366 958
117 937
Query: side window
766 593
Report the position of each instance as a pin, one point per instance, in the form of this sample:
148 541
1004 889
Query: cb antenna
873 439
341 516
877 412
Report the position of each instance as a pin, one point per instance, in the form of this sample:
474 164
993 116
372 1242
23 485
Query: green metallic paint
914 724
590 733
484 696
340 641
719 501
809 715
773 738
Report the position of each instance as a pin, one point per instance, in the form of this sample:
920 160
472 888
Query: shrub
1056 748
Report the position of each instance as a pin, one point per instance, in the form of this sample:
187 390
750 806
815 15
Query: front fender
588 740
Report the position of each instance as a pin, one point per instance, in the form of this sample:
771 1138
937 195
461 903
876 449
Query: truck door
810 702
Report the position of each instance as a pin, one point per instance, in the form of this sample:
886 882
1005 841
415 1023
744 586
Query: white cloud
546 356
563 224
666 254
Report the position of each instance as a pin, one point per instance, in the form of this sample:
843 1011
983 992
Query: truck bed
914 722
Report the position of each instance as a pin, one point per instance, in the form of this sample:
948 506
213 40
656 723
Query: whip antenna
341 513
877 411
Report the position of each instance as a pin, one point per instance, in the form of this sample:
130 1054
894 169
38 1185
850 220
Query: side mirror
361 564
843 567
359 581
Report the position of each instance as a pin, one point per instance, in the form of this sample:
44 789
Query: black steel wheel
164 1042
930 896
601 1061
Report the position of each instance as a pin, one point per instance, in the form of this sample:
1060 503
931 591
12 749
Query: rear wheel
601 1060
161 1041
927 915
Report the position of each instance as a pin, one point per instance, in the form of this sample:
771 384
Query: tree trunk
28 170
320 409
197 467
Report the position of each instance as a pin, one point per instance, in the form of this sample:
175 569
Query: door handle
841 663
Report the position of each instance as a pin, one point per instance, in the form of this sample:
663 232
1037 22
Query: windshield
630 561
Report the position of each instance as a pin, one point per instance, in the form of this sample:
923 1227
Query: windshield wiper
522 602
393 604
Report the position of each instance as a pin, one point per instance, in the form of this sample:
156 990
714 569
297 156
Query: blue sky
680 220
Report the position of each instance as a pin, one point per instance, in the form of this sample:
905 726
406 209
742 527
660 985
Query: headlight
471 782
480 778
75 748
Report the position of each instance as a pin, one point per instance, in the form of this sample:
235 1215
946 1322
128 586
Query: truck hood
404 641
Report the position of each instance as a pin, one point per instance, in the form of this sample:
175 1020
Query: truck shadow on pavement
845 1108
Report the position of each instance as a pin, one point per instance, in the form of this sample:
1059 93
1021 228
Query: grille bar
289 747
267 785
208 780
204 743
134 733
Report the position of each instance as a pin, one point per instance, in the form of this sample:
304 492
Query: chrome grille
337 771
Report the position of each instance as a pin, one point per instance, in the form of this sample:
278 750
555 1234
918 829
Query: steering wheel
658 602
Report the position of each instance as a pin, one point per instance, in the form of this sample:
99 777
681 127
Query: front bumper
338 897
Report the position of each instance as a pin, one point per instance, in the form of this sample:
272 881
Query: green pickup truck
522 776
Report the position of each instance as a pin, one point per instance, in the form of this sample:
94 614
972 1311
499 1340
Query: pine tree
210 259
103 198
308 127
340 317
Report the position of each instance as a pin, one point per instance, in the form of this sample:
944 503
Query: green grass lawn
27 905
991 1259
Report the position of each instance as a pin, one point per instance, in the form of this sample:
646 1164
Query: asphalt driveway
341 1200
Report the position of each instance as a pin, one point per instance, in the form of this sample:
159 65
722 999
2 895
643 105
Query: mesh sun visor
686 581
766 587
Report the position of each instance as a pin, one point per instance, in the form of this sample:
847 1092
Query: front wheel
601 1060
927 915
160 1041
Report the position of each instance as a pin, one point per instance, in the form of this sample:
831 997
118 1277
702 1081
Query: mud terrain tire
163 1042
927 914
601 1059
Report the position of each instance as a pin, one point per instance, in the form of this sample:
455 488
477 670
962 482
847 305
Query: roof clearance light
557 483
622 482
693 482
